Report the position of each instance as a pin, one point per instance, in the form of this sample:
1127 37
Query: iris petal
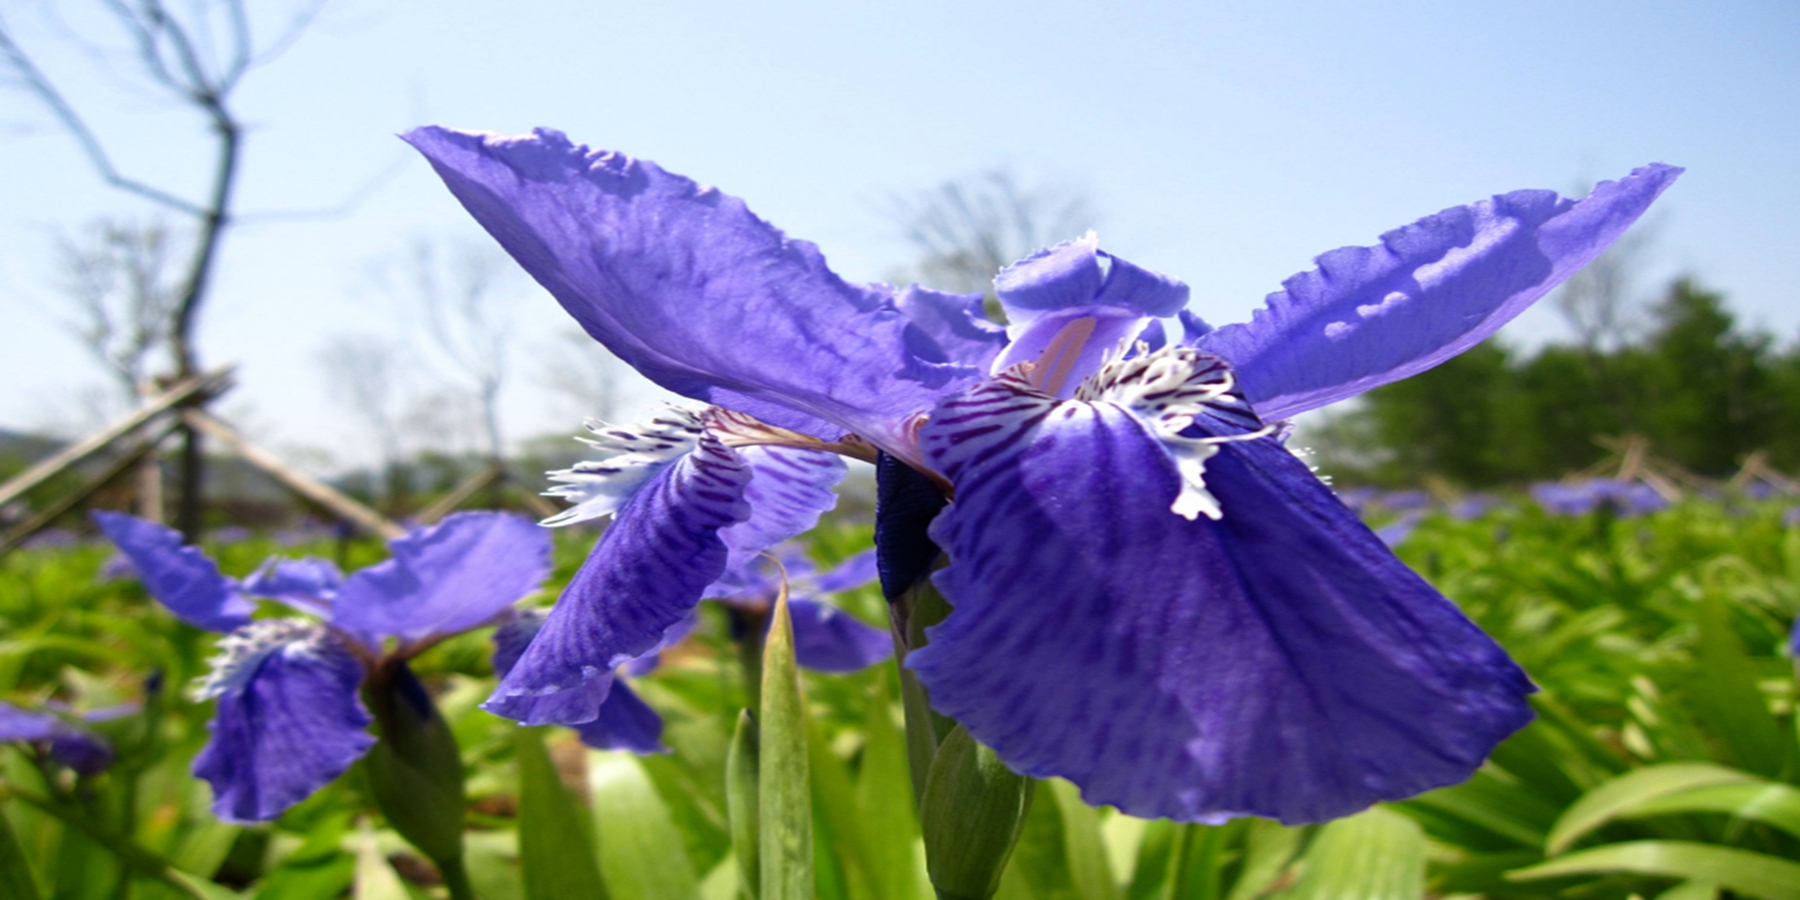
447 578
1370 315
625 722
645 575
690 288
307 584
788 490
1278 662
289 719
827 639
179 577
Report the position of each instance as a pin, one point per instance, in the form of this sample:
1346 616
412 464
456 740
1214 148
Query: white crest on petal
601 487
242 652
1168 388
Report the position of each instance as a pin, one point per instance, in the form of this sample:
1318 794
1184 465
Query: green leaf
974 810
1727 698
884 797
556 851
1772 804
784 800
1690 890
641 852
1088 869
1155 850
1268 850
741 803
16 882
1199 862
1377 854
1608 800
415 771
1751 874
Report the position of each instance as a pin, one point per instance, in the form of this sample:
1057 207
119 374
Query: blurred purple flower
1474 506
51 539
1152 596
1396 532
62 735
826 639
290 718
1626 499
1405 501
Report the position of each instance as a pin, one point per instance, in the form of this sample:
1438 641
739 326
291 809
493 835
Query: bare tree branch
967 229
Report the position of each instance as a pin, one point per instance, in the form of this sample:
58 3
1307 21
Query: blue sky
1224 143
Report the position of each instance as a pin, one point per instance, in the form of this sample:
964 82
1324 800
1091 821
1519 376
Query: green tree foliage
1703 389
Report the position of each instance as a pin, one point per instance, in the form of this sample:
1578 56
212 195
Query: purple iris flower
290 718
826 639
62 735
1152 596
1626 499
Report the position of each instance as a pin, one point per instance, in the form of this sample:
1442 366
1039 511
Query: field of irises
1662 761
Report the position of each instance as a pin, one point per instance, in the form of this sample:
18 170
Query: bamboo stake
461 493
69 501
296 481
209 383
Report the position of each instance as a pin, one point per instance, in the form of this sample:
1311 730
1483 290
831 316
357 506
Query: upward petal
643 578
1370 315
179 577
289 719
689 287
445 579
1277 661
307 584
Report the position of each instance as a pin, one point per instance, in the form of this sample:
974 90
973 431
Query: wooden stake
117 467
296 481
209 383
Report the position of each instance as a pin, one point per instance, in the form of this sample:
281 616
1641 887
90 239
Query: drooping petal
445 579
1278 661
179 577
289 718
644 576
1370 315
625 722
827 639
789 489
308 584
690 288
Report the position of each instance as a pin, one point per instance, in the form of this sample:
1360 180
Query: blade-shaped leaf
641 852
1081 841
1751 874
1377 854
1605 802
1772 804
16 882
741 806
784 791
556 853
884 797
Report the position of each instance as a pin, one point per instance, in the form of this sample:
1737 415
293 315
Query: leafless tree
365 374
464 293
581 370
119 277
967 229
1597 302
196 54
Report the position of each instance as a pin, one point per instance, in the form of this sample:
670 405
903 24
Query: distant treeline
1704 391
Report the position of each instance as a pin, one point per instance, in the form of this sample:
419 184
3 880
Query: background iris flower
62 735
1152 597
290 714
